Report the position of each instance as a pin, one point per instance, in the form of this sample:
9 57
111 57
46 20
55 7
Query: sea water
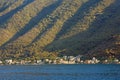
60 72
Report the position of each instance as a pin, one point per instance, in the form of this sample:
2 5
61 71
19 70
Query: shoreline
52 64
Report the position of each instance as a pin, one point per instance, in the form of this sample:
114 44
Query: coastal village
59 60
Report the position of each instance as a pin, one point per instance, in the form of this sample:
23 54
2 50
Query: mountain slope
71 27
96 31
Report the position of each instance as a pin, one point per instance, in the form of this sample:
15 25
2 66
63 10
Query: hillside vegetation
39 28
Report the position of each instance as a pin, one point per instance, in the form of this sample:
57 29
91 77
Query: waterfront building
38 61
9 61
1 62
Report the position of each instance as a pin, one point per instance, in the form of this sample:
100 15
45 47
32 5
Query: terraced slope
31 27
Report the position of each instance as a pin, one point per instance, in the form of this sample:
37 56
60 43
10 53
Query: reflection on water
60 72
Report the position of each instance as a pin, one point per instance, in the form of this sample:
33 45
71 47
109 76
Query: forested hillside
40 28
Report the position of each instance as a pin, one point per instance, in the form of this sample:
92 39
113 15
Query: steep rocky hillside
69 27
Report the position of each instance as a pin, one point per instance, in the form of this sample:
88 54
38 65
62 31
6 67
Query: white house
39 61
1 62
9 61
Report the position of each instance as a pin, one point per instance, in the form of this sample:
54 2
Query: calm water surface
60 72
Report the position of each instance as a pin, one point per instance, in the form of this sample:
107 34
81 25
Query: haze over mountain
68 27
